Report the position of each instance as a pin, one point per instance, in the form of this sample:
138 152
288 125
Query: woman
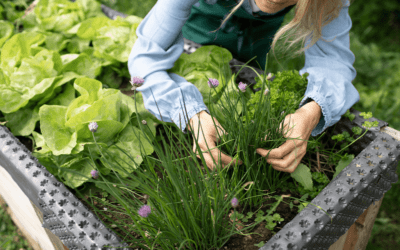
254 23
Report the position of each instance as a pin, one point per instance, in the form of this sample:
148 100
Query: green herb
357 130
262 243
303 175
349 115
344 162
287 88
368 124
366 115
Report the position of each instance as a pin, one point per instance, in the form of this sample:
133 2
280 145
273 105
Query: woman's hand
204 130
287 157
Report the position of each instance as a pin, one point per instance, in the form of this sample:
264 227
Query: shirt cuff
180 118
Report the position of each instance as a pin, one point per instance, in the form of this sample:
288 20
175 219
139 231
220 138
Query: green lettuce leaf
78 172
108 107
203 64
6 31
62 15
22 122
59 138
33 79
133 141
19 46
81 64
55 41
66 96
112 39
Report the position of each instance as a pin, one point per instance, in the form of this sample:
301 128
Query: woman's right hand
204 130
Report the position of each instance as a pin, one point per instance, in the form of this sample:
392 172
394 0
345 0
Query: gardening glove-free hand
204 130
299 125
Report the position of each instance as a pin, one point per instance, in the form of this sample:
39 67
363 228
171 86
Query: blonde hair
307 13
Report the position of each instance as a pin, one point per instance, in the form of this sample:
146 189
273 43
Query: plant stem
318 163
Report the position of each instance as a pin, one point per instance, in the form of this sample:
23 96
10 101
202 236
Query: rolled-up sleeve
167 96
331 71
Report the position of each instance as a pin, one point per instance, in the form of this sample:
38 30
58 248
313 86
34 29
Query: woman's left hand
287 157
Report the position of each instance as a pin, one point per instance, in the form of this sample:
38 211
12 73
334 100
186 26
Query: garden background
375 42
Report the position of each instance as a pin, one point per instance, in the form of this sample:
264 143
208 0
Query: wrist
314 111
195 118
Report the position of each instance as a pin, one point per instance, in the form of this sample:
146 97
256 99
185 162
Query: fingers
212 154
207 131
219 158
289 162
283 150
287 157
287 126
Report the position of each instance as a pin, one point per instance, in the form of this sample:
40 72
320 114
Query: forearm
159 45
331 72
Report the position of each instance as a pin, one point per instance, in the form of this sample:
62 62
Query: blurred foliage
138 8
378 22
11 10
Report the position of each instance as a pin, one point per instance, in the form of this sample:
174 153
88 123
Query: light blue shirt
160 44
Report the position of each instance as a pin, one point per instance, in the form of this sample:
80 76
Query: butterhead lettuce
62 15
65 131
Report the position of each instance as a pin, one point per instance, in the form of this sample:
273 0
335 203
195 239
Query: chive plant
189 205
261 130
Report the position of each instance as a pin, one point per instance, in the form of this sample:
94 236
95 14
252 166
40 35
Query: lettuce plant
34 67
6 31
65 132
112 39
31 75
62 15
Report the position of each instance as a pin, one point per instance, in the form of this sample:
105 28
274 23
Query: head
310 17
273 6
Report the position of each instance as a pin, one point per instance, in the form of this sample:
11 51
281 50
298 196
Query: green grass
378 73
10 237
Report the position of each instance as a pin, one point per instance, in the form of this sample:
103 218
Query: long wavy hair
307 13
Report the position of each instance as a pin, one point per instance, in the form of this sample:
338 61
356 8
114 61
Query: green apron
244 35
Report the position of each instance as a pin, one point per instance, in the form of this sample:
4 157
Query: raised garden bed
349 194
384 173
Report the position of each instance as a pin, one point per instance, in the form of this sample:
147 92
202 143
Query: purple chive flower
242 87
266 91
234 202
95 174
93 126
136 82
144 211
213 83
